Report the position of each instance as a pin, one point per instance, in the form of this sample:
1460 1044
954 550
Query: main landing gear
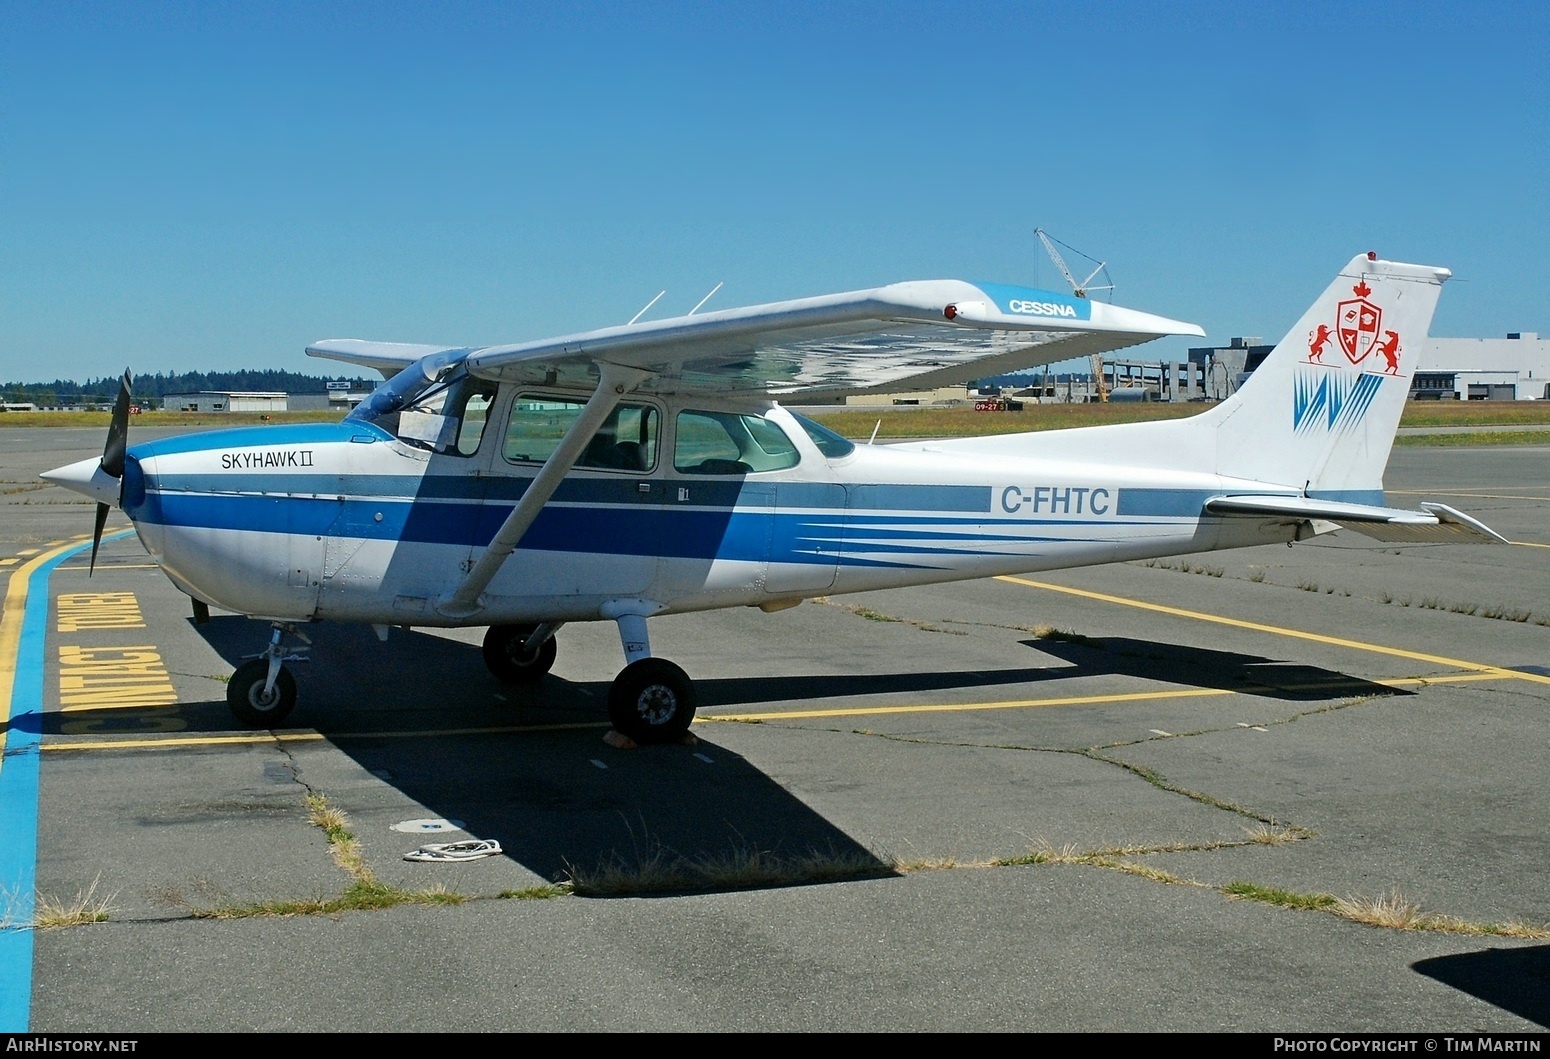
651 700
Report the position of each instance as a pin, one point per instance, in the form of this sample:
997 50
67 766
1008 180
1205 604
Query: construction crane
1079 289
1099 384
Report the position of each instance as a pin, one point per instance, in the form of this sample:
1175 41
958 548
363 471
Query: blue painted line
19 800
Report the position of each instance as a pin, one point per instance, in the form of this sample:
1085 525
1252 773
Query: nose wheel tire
245 695
505 659
652 701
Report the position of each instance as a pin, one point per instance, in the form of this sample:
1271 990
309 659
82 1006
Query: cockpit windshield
434 403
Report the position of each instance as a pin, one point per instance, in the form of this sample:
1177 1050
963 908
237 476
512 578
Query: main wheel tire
245 694
503 655
652 701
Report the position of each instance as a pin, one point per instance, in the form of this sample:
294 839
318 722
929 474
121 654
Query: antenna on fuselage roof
705 299
1079 289
648 305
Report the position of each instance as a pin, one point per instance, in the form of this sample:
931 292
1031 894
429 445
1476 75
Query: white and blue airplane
648 469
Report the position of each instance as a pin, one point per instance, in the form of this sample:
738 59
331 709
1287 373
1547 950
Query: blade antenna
649 304
872 440
707 298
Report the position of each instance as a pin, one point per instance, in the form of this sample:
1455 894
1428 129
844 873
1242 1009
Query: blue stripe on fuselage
719 492
752 533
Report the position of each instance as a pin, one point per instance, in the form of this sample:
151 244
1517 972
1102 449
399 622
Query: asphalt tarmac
1076 801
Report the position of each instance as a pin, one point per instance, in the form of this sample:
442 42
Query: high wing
389 358
913 335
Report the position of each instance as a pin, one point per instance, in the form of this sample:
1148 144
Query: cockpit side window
627 440
728 443
472 415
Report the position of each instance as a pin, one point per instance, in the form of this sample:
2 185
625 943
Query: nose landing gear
262 692
520 654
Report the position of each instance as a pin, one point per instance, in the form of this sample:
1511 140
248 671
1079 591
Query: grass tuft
536 893
1044 852
87 907
1270 895
1388 910
1146 871
905 867
1272 834
1049 632
363 895
342 844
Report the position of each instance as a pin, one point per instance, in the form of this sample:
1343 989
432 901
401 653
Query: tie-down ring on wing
916 334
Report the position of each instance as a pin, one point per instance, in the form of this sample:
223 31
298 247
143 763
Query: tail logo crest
1358 323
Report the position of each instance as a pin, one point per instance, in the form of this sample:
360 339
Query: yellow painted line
11 619
1238 623
28 551
156 743
152 743
9 562
1472 496
1088 700
1530 544
964 707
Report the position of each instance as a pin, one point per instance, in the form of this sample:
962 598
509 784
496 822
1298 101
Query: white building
1515 367
225 401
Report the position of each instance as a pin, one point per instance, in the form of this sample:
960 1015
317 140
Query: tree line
148 389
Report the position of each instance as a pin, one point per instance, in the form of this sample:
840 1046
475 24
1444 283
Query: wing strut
613 383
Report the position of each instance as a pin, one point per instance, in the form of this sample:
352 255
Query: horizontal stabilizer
389 358
1434 523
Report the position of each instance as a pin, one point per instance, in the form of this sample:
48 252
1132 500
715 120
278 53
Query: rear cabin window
627 440
726 443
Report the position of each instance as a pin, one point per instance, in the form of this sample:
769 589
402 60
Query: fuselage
358 521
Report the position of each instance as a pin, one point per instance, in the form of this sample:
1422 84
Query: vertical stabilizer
1320 413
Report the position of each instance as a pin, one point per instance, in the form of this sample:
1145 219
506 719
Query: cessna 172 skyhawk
646 469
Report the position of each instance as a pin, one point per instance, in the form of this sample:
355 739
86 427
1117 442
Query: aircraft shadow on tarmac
521 764
1515 980
518 764
1204 668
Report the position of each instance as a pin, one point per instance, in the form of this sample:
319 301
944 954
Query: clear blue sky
204 185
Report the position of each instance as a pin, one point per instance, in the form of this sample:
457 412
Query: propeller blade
113 459
118 431
96 537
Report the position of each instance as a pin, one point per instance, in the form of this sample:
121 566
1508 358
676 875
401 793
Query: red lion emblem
1317 341
1391 349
